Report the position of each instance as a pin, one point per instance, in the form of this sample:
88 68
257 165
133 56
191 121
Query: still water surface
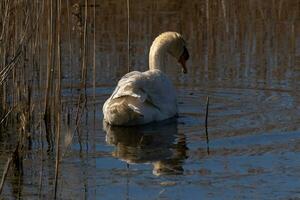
252 152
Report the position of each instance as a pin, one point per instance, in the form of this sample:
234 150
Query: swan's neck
157 56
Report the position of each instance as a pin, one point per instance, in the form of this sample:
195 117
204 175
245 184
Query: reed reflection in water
159 144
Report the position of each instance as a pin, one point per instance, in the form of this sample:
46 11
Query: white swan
144 97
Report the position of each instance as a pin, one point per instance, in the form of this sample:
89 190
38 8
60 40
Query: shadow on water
159 144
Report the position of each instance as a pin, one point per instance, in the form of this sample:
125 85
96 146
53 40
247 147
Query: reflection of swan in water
159 144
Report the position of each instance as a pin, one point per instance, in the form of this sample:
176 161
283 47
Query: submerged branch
206 121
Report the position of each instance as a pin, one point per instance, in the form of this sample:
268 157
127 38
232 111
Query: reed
208 39
128 35
58 96
5 172
82 99
41 105
70 71
94 56
47 108
84 51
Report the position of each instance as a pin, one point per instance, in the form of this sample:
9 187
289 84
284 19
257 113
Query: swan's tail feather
119 112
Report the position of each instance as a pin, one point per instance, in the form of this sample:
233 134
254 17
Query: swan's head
175 45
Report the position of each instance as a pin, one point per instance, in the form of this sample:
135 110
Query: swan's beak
183 58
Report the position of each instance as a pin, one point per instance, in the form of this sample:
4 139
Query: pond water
252 152
253 142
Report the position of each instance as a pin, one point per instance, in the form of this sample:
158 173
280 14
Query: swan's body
143 97
140 98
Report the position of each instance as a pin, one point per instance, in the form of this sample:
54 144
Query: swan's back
140 98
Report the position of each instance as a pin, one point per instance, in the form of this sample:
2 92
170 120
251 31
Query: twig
206 120
5 71
5 172
13 157
7 114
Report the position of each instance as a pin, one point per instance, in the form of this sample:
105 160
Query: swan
144 97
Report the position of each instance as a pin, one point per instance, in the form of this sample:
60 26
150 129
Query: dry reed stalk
41 160
83 73
70 47
292 45
36 46
58 95
5 116
4 19
84 52
5 172
78 118
15 70
19 27
224 15
70 64
208 45
128 35
47 111
8 67
5 54
81 99
94 58
23 43
15 159
40 42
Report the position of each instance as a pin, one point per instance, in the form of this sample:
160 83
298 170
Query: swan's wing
131 84
141 97
152 86
160 91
